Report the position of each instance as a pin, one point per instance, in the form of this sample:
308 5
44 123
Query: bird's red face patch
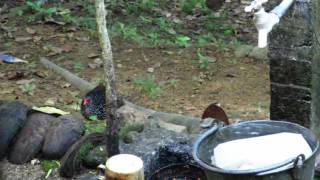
86 101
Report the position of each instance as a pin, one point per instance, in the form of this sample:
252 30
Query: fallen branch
130 111
83 85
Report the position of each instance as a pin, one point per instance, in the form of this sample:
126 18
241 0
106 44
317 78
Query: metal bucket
299 168
179 172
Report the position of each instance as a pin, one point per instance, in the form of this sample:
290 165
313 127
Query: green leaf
93 118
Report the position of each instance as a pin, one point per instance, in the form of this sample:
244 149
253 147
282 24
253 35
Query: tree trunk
110 83
315 115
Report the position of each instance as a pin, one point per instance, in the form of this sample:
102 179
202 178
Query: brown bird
216 112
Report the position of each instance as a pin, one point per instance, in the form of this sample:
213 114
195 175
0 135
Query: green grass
28 88
202 61
151 28
94 126
48 166
149 86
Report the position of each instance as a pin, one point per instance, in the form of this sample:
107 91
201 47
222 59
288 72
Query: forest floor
165 77
182 70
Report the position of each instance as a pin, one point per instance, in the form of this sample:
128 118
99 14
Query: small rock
172 127
119 66
150 70
93 55
30 31
35 162
50 102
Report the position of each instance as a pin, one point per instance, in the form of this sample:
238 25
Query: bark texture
112 121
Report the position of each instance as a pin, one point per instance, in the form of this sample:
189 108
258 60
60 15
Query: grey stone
13 116
62 135
30 139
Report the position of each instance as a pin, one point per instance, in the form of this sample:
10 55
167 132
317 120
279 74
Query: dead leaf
50 110
30 31
67 48
172 31
53 21
65 85
26 56
22 39
50 102
2 75
70 35
53 50
68 100
24 81
93 55
36 38
15 75
190 18
41 74
190 108
57 35
85 39
177 20
230 75
97 63
7 91
74 106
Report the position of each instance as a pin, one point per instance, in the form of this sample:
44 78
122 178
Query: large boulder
31 137
12 117
61 136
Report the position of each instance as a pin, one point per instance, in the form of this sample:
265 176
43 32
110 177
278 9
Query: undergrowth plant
39 10
202 61
28 88
48 166
148 23
148 86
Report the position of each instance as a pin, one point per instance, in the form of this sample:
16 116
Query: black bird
94 104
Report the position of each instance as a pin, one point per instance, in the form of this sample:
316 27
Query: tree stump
124 167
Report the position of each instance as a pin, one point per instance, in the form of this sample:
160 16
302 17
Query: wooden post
112 121
124 167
